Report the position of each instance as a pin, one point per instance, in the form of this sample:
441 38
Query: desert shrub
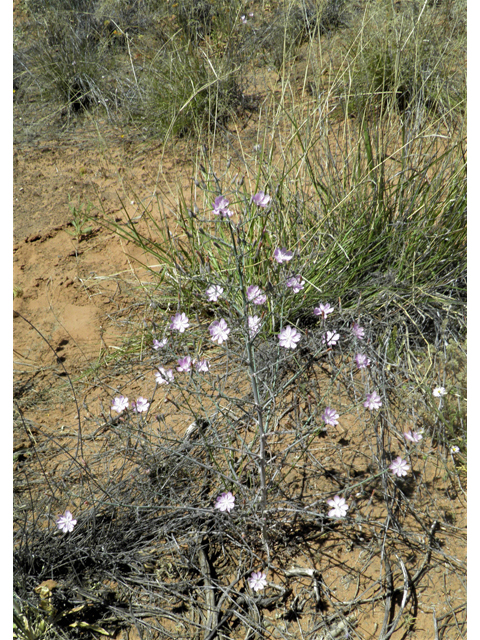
69 60
297 23
216 19
184 91
409 60
195 17
81 57
73 71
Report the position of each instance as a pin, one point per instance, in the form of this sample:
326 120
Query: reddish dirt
59 275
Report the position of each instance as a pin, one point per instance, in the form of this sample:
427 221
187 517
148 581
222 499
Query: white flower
296 283
219 331
373 401
260 198
282 255
179 322
214 292
413 436
163 376
220 207
253 325
399 467
120 404
438 392
288 337
330 416
257 581
323 310
141 405
202 366
184 364
225 501
362 361
66 522
330 338
340 507
454 449
256 295
358 331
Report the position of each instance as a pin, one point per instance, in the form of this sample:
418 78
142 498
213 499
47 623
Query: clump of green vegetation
296 23
80 218
404 57
184 91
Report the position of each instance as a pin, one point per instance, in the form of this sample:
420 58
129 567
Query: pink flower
257 581
120 404
256 295
282 255
202 366
219 331
164 377
330 416
399 467
141 405
358 331
184 364
225 501
214 292
220 207
66 522
340 507
323 310
296 283
179 322
158 344
261 199
253 325
413 436
243 19
289 336
330 338
373 401
362 361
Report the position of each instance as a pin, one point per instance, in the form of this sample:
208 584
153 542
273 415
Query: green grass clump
406 58
184 91
295 23
70 59
386 232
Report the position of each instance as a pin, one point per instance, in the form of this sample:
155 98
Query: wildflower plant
228 462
